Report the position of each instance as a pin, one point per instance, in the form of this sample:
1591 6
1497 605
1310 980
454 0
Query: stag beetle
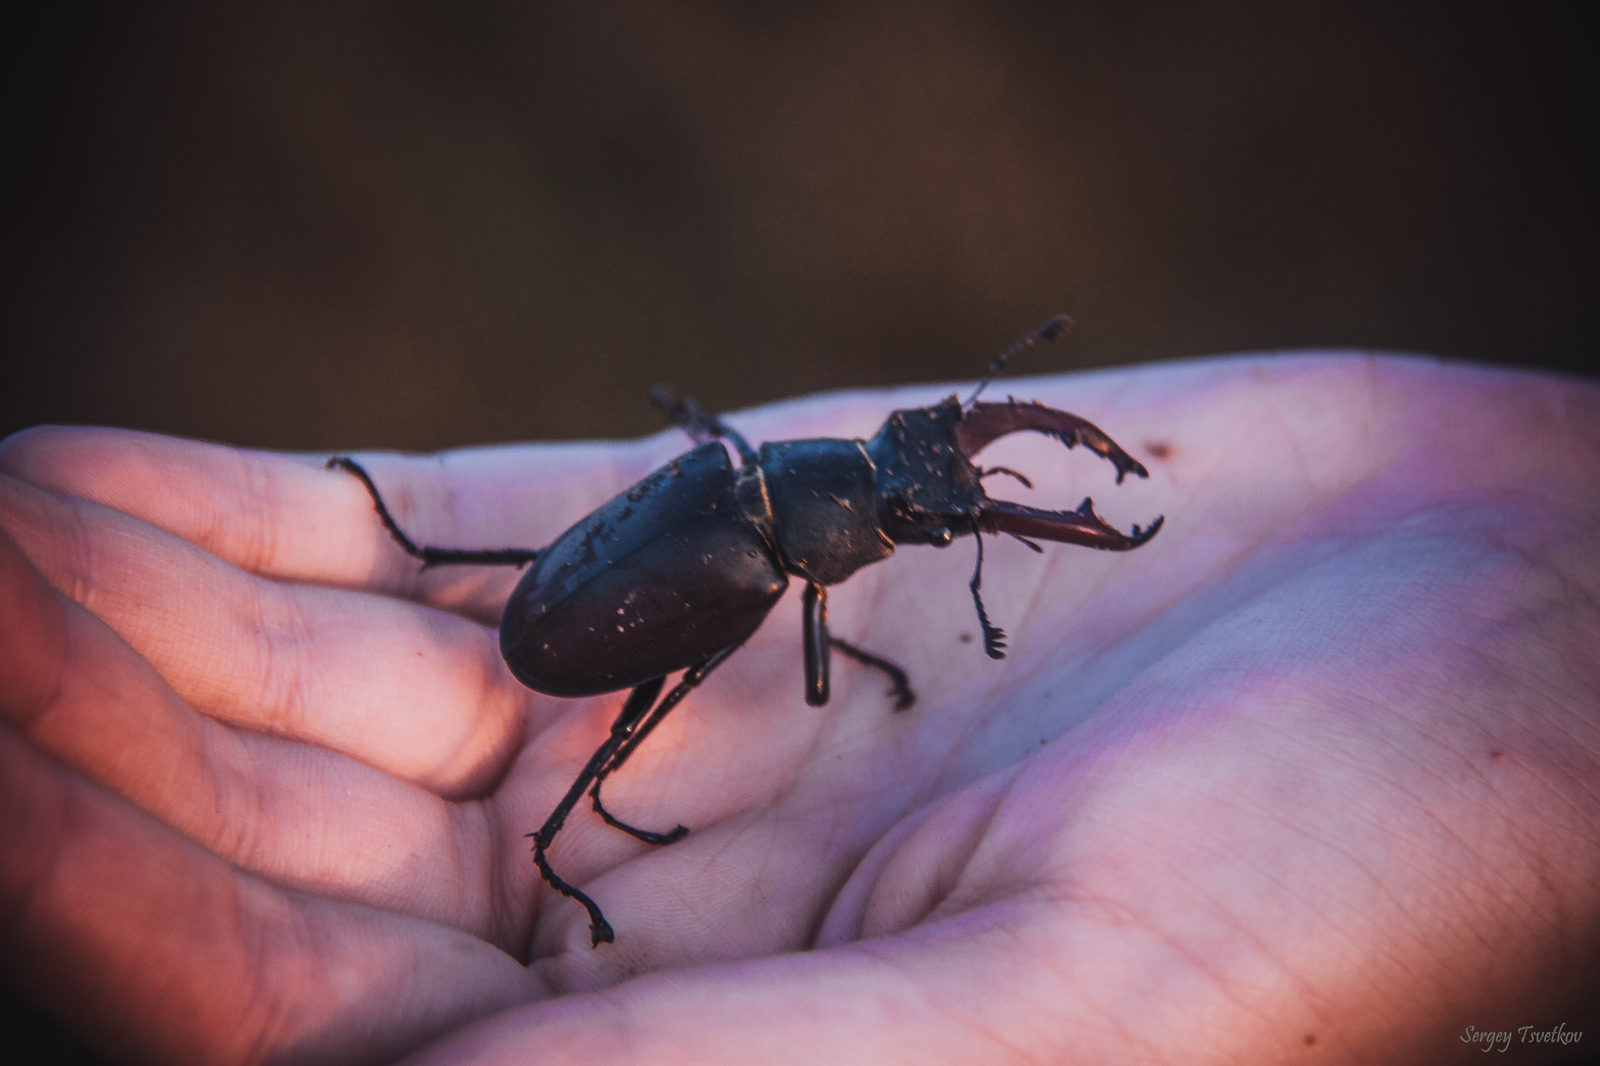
681 569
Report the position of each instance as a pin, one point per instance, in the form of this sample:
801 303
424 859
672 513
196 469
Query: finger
151 948
304 817
286 517
415 692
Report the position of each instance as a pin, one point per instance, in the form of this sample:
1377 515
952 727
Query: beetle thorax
824 507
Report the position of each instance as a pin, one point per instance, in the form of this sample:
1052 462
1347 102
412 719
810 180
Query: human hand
1314 770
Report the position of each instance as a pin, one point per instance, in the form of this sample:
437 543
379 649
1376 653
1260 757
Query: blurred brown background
417 225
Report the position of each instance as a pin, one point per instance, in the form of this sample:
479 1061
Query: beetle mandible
682 568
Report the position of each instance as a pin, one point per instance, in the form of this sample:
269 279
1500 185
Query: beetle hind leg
600 931
431 556
622 730
635 736
671 836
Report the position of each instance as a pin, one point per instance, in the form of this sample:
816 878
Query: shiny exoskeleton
679 570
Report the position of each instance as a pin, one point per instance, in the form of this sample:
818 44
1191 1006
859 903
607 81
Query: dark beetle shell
662 575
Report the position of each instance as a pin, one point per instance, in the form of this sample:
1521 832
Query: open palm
1315 768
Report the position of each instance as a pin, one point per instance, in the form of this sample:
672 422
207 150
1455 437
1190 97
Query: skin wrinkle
256 493
943 891
879 854
522 899
294 996
266 1014
474 896
850 860
237 835
1136 919
243 844
1216 973
1303 985
1392 897
69 554
283 641
1130 919
29 721
1445 858
1045 1006
497 728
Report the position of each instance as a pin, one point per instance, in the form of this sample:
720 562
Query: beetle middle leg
819 643
901 690
431 556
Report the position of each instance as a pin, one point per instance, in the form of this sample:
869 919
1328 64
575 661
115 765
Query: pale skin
1314 774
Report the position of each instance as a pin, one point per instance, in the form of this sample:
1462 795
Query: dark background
338 225
416 225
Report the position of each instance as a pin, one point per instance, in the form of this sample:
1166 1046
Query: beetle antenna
1047 332
994 638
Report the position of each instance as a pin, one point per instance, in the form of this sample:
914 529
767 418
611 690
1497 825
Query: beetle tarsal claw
994 638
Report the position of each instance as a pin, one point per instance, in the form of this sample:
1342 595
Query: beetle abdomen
658 578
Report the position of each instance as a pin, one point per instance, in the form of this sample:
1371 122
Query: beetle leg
901 691
672 836
432 556
701 427
994 638
814 611
691 678
633 712
819 643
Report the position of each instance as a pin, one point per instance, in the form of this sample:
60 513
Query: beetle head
929 490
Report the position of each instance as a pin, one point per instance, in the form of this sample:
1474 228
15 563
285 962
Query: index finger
285 517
